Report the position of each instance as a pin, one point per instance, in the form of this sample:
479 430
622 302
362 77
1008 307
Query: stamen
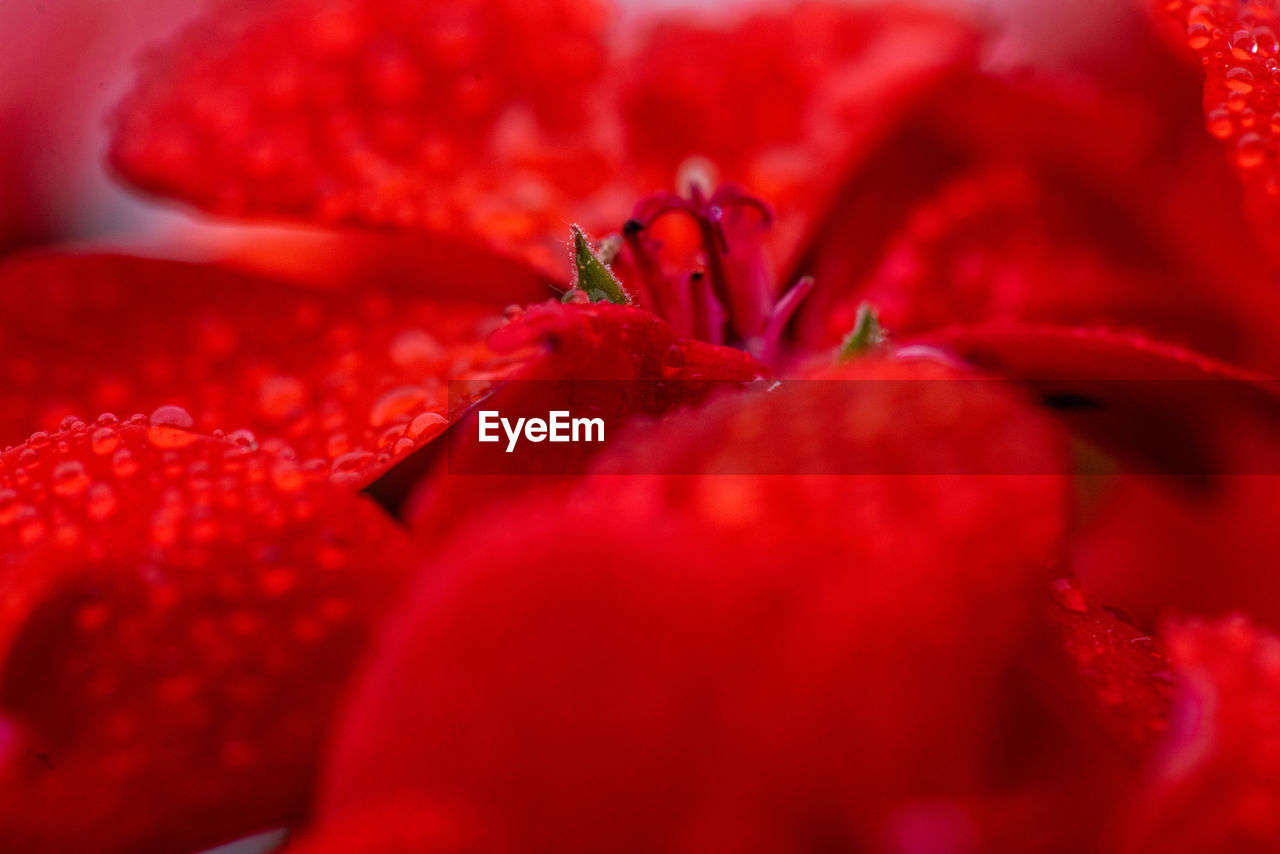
732 296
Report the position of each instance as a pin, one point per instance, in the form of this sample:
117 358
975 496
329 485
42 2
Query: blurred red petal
603 361
1238 49
1215 785
178 617
629 668
355 377
497 120
1180 520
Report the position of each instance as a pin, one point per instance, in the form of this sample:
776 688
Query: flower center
700 263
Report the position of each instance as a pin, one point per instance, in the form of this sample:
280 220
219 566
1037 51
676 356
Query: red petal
469 116
782 101
355 378
1216 783
1104 210
1238 48
631 668
1126 672
498 120
178 617
1147 539
605 360
1008 245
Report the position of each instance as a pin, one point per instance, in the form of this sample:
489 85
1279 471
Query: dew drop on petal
396 403
104 440
280 398
1251 151
171 428
1219 124
1198 36
243 439
69 478
1201 15
287 476
10 505
123 463
351 462
414 347
1239 80
100 502
427 426
1243 45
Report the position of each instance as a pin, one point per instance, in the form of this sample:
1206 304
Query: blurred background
65 63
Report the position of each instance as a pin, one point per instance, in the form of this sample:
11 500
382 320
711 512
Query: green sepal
867 335
594 276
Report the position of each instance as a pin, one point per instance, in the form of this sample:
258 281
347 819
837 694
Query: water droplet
101 502
513 312
673 361
10 505
351 462
1198 36
244 440
104 440
38 440
123 463
1239 80
70 478
1251 151
413 347
395 404
1201 15
171 428
287 476
1068 594
1219 124
426 426
1243 45
280 398
1266 41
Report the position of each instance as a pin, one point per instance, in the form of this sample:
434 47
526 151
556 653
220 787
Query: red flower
995 580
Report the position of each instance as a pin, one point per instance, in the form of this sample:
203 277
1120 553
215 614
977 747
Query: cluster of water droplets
235 559
370 105
1240 51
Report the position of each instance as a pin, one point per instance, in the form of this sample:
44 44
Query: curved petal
1191 477
1216 784
1238 48
497 120
634 667
354 377
177 617
613 362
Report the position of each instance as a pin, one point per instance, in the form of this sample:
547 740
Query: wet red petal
1212 429
1215 785
497 120
633 667
781 101
1126 671
1007 245
177 618
1103 210
603 359
354 377
473 117
1238 48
